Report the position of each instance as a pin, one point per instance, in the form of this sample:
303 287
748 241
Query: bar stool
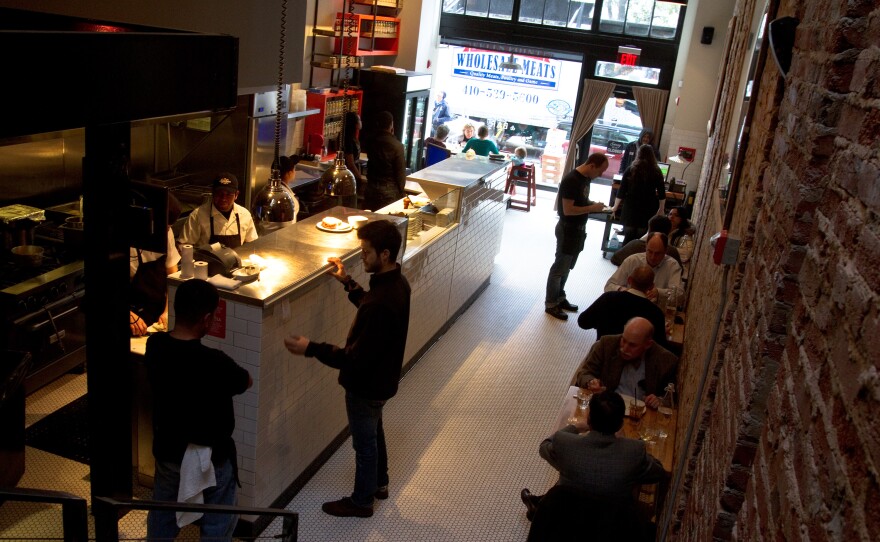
524 173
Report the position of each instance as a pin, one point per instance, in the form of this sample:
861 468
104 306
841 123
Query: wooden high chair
524 173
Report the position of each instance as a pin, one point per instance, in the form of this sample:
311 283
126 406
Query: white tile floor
463 431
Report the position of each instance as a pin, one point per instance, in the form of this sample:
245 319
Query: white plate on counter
342 228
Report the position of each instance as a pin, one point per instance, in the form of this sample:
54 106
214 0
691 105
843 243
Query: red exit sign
628 56
628 59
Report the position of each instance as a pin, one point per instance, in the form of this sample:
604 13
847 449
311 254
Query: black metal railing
107 512
74 510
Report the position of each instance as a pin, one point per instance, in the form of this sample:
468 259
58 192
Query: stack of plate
414 225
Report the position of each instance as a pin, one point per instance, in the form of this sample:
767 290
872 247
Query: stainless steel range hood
63 73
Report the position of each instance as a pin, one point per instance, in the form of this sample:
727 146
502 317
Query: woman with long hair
642 192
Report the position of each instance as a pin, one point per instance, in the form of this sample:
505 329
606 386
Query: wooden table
650 497
661 449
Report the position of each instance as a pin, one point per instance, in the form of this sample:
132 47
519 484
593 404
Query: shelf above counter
303 114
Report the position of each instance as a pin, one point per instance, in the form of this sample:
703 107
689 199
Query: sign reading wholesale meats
542 93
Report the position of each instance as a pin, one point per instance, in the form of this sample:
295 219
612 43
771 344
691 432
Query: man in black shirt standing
573 205
370 362
386 169
193 387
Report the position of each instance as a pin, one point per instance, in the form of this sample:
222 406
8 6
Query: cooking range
42 309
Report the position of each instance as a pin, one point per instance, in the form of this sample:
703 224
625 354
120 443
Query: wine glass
647 432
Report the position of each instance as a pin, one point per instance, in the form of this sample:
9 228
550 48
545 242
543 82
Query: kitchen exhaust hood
64 72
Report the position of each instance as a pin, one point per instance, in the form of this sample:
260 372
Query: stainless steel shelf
301 114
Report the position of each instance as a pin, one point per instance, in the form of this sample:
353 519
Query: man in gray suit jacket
629 363
599 464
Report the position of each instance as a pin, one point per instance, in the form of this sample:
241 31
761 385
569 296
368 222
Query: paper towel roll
186 261
201 270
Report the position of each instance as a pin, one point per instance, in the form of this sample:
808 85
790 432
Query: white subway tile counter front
295 414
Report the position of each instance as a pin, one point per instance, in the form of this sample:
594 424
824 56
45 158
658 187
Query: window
562 13
618 125
640 18
638 74
494 9
646 18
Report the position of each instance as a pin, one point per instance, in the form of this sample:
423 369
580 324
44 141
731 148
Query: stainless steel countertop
458 171
294 256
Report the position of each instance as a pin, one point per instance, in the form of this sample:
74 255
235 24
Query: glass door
419 110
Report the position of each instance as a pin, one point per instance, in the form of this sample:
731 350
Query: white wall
696 77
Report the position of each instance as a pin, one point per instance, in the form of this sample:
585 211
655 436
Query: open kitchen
83 185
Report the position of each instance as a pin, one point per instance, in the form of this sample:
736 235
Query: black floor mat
65 432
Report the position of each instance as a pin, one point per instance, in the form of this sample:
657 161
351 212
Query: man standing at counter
193 419
370 362
573 205
220 220
386 169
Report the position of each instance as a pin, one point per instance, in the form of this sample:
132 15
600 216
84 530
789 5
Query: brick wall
784 447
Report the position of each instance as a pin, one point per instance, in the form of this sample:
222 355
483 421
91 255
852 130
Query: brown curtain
652 109
593 99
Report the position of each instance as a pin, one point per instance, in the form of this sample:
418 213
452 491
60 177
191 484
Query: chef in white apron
220 220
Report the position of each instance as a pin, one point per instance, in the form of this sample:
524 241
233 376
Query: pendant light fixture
342 183
275 206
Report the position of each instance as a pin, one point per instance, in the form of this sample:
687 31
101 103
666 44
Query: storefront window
618 125
640 18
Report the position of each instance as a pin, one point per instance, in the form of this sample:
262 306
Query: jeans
368 441
569 244
163 525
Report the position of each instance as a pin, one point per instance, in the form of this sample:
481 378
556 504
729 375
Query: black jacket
370 363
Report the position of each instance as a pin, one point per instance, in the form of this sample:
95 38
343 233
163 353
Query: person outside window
441 110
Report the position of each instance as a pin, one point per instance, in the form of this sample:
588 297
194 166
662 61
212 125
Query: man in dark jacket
386 169
629 363
193 387
599 464
612 310
370 362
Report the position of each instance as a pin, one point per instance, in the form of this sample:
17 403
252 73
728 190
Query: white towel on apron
196 475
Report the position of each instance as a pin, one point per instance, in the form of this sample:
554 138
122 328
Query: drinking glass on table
647 431
667 403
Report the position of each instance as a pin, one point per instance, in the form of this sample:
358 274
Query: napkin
222 282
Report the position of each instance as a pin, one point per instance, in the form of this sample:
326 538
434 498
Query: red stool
524 173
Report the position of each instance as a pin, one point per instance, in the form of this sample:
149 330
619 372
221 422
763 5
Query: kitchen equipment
221 260
28 255
18 223
405 96
40 308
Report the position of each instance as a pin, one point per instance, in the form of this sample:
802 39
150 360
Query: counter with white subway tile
295 410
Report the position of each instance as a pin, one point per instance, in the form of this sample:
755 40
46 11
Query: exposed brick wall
785 447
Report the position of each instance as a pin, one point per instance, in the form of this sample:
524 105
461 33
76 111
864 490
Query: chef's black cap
227 182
